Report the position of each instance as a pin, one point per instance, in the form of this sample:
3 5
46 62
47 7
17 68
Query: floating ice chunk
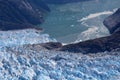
94 22
95 15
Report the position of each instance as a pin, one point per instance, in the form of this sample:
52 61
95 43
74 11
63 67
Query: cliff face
113 22
20 14
108 43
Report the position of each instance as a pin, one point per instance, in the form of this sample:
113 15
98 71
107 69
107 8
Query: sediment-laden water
79 21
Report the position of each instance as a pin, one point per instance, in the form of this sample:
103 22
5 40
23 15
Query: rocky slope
108 43
113 22
21 14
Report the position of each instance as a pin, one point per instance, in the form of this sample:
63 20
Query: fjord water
79 21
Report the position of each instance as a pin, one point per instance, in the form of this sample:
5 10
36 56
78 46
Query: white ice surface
21 37
26 63
19 62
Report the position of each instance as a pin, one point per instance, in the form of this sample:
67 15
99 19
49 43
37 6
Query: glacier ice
21 37
21 61
24 63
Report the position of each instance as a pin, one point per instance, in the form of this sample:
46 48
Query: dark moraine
51 45
113 22
21 14
108 43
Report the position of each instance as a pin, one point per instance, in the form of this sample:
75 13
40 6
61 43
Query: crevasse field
25 62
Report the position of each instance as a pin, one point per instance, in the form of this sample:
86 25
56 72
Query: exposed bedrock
108 43
113 22
4 25
51 45
21 14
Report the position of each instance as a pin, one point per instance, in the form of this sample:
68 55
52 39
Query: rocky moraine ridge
22 14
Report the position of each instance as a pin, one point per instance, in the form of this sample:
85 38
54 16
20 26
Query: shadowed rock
4 26
51 45
108 43
113 22
21 14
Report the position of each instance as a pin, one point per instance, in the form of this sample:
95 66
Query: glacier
30 63
21 61
21 37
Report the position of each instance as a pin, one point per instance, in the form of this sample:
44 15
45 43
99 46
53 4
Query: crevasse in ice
21 37
18 62
27 63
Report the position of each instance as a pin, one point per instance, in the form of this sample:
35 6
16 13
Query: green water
63 22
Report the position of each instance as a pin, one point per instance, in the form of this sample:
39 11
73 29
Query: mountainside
108 43
21 14
113 22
